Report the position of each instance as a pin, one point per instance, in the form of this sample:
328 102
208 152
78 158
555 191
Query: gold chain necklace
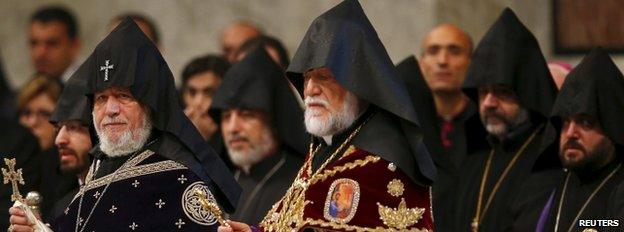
479 215
591 196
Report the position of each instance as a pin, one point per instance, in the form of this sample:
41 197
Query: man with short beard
150 162
262 125
72 119
509 79
582 185
366 136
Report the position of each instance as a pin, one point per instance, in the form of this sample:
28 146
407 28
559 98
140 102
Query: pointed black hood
509 54
344 41
409 71
73 103
127 58
257 82
595 87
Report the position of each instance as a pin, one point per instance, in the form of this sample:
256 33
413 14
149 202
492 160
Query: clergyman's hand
19 221
235 227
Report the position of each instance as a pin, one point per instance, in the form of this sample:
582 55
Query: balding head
234 36
445 56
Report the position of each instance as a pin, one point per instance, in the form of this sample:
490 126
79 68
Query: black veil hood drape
131 60
509 54
73 103
595 87
257 82
344 41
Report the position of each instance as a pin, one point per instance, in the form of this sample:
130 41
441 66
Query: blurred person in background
200 78
54 42
235 35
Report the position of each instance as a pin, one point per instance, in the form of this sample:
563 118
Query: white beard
335 121
128 142
257 152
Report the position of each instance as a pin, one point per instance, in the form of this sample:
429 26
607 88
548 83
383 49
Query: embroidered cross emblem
112 209
182 179
14 177
80 220
107 66
180 223
136 183
66 210
160 203
133 226
96 194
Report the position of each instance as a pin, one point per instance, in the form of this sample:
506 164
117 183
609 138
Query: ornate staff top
211 206
14 177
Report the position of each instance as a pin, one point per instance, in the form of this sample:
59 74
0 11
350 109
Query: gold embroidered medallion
396 188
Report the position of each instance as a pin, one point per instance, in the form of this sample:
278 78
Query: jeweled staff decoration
211 206
15 177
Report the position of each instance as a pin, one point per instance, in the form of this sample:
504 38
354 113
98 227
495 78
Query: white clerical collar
328 139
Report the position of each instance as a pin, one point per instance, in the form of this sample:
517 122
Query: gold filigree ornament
400 217
396 188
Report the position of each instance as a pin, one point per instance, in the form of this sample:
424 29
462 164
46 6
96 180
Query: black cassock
594 88
471 174
539 208
265 184
142 192
507 55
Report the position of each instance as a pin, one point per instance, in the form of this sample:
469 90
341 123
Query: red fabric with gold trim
350 199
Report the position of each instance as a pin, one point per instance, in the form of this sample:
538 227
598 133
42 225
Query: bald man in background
445 55
444 59
234 36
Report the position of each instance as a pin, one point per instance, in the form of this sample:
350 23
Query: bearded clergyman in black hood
367 168
509 80
151 164
263 131
579 192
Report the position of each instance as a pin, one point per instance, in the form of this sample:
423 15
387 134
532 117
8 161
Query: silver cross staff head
14 177
105 68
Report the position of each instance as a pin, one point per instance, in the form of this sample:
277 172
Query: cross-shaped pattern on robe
180 223
182 179
97 194
160 203
14 176
112 209
136 183
105 68
133 226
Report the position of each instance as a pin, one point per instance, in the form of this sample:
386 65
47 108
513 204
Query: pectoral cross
210 206
105 68
15 177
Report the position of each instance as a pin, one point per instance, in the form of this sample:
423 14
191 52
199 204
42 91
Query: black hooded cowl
344 41
257 82
596 88
73 104
509 54
138 65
